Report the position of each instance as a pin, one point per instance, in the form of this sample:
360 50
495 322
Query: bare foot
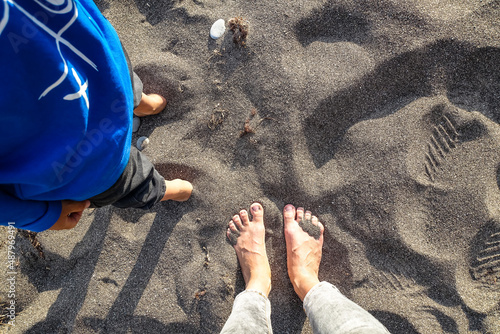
303 249
248 239
178 190
151 104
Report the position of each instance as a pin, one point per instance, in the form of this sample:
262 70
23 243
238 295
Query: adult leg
327 309
251 309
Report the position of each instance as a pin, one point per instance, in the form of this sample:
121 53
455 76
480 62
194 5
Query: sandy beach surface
381 117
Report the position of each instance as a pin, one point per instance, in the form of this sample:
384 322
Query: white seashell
142 143
218 29
136 123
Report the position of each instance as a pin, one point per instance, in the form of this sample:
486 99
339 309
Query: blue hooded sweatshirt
66 108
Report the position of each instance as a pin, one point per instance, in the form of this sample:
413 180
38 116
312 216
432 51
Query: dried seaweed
239 26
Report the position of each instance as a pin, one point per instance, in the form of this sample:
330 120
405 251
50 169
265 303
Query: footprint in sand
426 192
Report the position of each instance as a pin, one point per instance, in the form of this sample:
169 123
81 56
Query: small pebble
136 123
142 143
218 29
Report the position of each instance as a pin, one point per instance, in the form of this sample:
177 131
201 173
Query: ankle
303 285
261 284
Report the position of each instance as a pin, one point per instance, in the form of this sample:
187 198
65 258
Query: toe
232 227
232 236
308 215
237 221
314 220
289 214
300 214
257 213
244 217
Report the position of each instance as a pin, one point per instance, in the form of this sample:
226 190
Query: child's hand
70 215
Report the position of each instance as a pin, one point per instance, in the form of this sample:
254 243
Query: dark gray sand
381 117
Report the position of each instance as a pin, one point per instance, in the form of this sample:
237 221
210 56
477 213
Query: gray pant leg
139 186
329 311
137 88
136 81
251 314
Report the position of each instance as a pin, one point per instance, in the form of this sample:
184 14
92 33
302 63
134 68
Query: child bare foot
304 242
248 239
151 104
178 190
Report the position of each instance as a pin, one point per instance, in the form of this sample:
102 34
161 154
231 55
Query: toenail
288 208
256 208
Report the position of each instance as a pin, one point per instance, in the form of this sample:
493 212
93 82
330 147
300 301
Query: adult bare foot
304 242
178 190
151 104
248 238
